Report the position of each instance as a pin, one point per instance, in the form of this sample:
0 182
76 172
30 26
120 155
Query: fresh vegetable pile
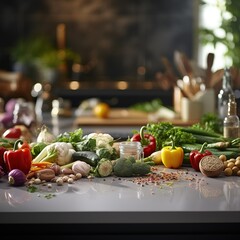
73 155
64 158
196 141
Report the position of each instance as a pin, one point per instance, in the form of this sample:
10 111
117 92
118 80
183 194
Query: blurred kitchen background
122 52
115 40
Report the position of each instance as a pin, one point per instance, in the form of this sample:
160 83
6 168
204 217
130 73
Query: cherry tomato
12 133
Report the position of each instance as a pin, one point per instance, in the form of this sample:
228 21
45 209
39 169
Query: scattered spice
160 178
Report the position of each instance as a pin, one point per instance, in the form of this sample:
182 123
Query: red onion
16 177
6 119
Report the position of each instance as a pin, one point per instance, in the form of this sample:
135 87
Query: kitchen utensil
216 78
196 84
179 63
169 71
187 66
210 60
184 89
198 71
235 77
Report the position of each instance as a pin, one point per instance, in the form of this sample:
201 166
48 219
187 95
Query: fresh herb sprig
32 189
71 137
163 131
209 122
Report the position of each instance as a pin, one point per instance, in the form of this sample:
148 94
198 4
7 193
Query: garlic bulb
81 167
45 136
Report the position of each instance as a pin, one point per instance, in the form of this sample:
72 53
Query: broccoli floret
132 159
123 167
140 168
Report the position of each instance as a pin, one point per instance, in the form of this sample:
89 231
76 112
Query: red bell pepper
2 163
196 156
147 141
18 158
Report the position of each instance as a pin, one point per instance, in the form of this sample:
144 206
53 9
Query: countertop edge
118 217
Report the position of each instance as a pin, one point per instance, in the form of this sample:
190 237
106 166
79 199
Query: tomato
12 133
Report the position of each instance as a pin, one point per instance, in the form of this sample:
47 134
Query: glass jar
224 93
131 149
231 121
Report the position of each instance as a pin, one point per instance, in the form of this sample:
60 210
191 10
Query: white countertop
192 198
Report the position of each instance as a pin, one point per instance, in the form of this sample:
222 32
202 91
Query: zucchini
89 157
187 147
208 139
228 154
233 149
200 132
186 160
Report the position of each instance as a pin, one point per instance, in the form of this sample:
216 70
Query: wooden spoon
216 78
210 60
179 63
187 65
185 92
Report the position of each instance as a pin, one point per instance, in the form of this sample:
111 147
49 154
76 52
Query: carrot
38 166
34 169
42 164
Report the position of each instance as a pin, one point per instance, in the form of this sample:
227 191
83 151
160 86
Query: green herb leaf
32 189
49 196
164 131
71 137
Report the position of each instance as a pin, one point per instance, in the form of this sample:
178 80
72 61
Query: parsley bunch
163 131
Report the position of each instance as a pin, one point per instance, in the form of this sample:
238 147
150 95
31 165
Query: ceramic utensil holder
207 98
190 110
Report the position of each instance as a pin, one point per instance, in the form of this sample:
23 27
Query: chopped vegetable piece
104 168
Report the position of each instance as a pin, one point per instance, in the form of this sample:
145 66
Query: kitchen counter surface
190 198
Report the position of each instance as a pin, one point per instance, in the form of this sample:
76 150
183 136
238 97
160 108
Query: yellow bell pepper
172 157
